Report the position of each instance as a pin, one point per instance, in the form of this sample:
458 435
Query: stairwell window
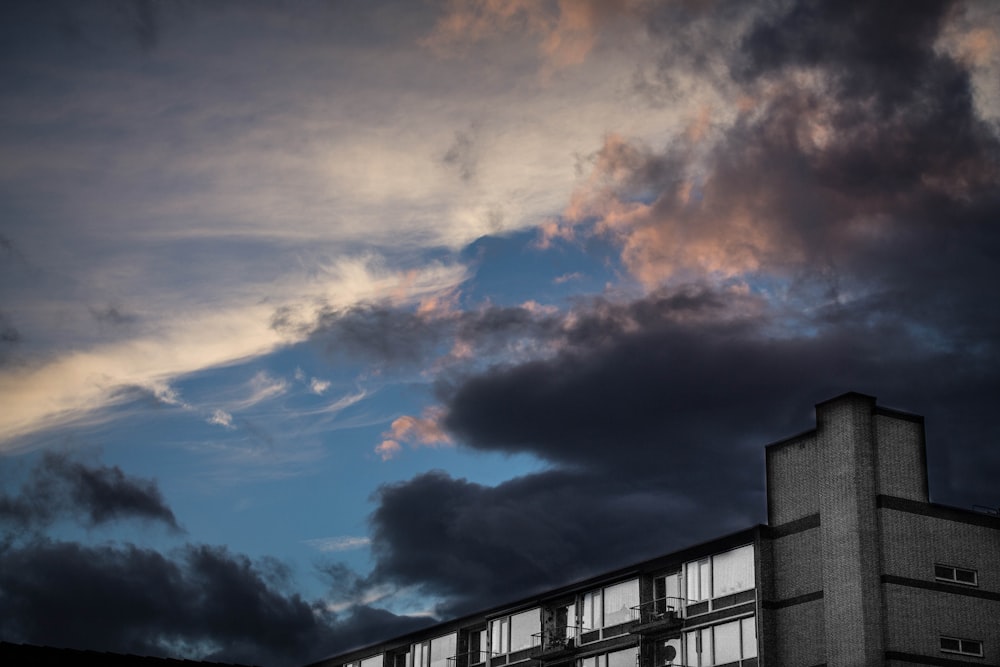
956 575
971 647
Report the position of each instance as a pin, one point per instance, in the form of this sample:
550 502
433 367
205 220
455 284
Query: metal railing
660 609
468 658
555 639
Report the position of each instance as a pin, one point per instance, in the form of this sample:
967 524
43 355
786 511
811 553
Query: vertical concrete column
846 436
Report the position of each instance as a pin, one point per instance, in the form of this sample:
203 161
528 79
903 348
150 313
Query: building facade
855 567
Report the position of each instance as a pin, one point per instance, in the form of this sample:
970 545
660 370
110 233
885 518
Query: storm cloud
837 234
195 600
812 210
61 487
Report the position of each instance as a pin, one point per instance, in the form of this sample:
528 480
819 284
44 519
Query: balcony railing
658 614
555 639
468 659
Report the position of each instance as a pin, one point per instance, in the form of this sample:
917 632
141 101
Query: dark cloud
60 487
474 545
656 435
100 26
199 601
396 336
849 210
880 51
195 601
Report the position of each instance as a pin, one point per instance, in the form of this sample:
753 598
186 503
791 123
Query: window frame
953 579
505 625
961 650
593 606
699 585
701 641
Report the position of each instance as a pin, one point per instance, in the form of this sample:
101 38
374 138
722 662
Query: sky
322 321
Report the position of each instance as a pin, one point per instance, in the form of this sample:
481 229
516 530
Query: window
562 628
434 653
443 648
667 593
971 647
725 579
627 658
618 602
374 661
732 571
478 647
956 575
699 577
610 606
516 632
721 644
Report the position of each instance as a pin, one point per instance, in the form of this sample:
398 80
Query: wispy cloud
75 387
339 543
318 386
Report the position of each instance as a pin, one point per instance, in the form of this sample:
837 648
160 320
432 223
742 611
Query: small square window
956 575
971 647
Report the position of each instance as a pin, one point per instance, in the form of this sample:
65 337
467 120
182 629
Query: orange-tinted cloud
567 30
423 431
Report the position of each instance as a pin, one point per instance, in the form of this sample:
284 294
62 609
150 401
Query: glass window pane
697 575
732 571
591 611
498 636
618 602
691 648
418 655
522 628
374 661
749 627
705 585
943 572
949 644
674 591
443 648
626 658
727 642
570 612
972 647
965 576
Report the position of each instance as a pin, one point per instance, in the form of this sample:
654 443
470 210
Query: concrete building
855 567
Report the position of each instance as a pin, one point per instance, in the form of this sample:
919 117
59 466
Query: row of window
698 587
719 644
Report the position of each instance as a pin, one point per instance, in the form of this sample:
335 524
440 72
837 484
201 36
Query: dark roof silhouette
12 655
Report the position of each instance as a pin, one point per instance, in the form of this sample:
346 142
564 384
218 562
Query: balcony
555 645
470 659
657 616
